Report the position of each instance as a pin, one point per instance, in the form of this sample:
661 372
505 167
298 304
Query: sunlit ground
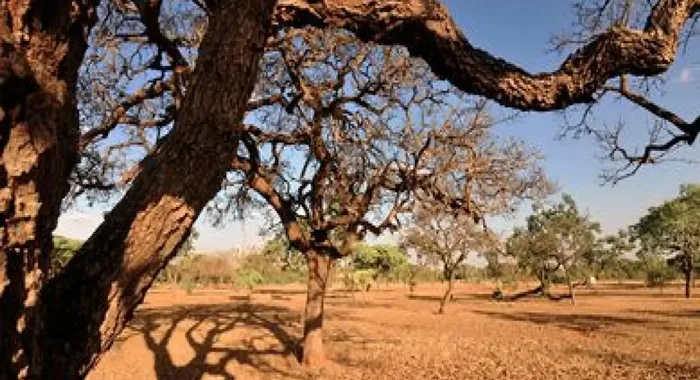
614 332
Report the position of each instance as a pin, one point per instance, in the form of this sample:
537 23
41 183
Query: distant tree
672 230
383 260
447 239
274 266
628 269
657 271
470 273
282 255
499 266
248 278
604 259
555 239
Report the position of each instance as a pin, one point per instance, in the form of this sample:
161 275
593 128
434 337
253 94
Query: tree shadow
583 323
204 327
662 369
286 292
455 297
670 314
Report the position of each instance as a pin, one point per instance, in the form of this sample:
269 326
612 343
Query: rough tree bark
90 302
41 48
426 28
312 344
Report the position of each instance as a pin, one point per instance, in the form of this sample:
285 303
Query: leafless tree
339 148
446 239
485 178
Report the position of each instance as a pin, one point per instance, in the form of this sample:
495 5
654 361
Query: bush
248 278
497 295
273 271
188 284
657 272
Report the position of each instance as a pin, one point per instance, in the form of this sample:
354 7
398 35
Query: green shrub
657 272
188 284
247 278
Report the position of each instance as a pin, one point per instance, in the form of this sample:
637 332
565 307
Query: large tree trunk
312 346
92 299
448 292
41 48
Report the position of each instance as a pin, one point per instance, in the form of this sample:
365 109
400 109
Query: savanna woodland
340 121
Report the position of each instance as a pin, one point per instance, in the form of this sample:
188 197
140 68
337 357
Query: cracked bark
41 47
427 30
144 230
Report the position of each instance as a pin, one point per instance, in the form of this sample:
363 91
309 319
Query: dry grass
614 332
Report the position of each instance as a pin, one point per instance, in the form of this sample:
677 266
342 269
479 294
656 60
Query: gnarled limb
426 28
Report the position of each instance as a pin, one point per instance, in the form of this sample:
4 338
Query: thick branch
427 30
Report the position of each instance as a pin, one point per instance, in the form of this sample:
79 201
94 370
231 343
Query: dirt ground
614 332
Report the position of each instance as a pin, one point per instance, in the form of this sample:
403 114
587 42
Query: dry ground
614 332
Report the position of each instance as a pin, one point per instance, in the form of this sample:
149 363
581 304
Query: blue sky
518 31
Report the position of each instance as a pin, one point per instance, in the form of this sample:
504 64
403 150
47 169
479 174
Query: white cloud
689 74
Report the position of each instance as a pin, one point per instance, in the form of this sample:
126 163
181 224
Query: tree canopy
672 229
557 238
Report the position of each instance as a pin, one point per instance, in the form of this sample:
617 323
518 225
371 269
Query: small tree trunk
689 281
312 346
570 285
448 293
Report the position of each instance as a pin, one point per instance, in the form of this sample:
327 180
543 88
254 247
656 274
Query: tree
554 239
604 258
281 254
42 48
343 155
447 239
174 272
63 250
384 260
657 272
485 177
38 131
671 229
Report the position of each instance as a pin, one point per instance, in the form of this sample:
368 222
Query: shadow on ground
205 325
455 297
662 369
584 323
669 314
